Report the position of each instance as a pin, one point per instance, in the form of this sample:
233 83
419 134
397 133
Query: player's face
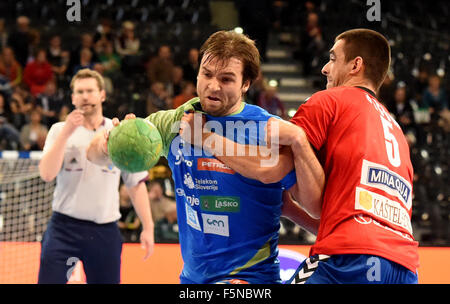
337 70
87 96
220 86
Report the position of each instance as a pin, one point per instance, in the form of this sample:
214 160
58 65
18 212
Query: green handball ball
134 145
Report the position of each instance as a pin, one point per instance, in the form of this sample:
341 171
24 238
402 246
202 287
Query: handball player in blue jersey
228 221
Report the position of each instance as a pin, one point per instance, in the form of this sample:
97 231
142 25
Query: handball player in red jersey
365 233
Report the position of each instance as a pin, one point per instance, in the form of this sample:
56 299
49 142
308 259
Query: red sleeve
315 117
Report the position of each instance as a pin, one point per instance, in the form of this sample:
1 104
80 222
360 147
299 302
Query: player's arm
295 152
267 167
53 157
293 211
141 204
255 162
309 172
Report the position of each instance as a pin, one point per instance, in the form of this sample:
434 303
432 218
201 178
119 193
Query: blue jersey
228 224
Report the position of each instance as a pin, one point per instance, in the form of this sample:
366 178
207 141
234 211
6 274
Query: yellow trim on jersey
262 254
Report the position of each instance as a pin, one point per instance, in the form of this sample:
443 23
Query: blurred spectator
49 103
174 86
129 223
403 111
158 98
434 96
34 44
444 120
109 60
58 58
37 73
127 43
33 134
128 47
19 39
312 45
187 93
269 101
162 207
103 35
9 135
190 68
17 113
24 99
3 34
160 67
86 61
86 42
4 109
10 70
420 84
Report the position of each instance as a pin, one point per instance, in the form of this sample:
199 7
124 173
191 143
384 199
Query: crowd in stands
152 64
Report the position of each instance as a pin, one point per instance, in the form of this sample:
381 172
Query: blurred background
148 53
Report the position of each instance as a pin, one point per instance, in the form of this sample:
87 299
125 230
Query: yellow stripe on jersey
262 254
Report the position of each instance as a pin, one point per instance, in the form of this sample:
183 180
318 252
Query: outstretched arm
141 204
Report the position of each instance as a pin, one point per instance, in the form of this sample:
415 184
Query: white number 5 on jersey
392 150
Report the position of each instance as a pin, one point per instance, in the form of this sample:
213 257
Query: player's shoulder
254 112
341 94
334 92
191 104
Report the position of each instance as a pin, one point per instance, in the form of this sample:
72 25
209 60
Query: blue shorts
351 269
66 240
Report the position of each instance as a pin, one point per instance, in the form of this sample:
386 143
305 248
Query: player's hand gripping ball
134 145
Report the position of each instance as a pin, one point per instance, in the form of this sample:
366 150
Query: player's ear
357 65
245 86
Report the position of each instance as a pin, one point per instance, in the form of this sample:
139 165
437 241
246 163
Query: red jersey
368 192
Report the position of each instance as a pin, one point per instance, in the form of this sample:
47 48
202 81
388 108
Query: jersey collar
198 108
367 90
241 108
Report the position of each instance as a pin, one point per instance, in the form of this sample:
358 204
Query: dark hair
227 44
373 48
